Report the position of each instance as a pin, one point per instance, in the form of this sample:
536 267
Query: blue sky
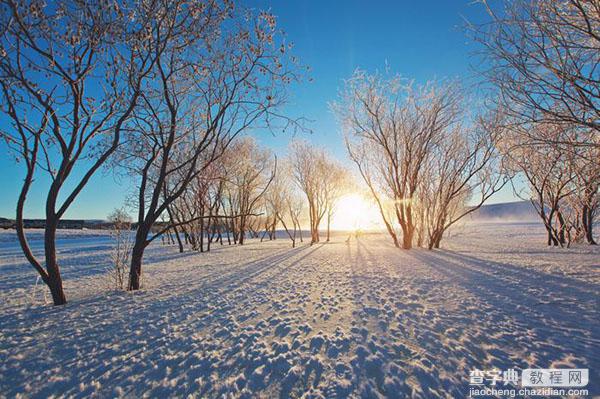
419 40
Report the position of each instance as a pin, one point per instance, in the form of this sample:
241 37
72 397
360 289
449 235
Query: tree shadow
551 318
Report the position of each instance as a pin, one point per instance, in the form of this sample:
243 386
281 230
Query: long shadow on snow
172 313
375 363
527 297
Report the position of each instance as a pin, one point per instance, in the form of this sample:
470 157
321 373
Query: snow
362 319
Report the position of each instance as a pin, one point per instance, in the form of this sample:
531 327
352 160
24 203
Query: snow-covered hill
521 211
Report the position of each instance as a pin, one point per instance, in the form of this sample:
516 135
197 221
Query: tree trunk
438 240
561 227
263 235
589 236
137 254
294 237
135 271
407 239
178 239
328 226
54 278
175 231
435 239
551 239
430 243
202 235
208 241
314 235
314 227
407 235
588 225
55 285
392 233
209 233
234 232
242 230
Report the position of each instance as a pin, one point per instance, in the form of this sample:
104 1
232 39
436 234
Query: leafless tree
462 173
548 175
251 171
543 57
562 181
195 210
121 235
221 73
70 76
586 192
284 203
391 130
317 175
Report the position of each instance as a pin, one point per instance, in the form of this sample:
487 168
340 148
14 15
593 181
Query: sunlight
354 212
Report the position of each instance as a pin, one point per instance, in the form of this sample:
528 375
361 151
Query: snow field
362 319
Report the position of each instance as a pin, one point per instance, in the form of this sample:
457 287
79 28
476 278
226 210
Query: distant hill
507 211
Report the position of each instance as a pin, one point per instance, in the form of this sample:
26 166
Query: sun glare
353 212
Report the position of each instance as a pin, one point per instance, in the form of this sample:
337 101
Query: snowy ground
333 320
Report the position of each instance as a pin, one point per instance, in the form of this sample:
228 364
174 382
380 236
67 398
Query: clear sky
420 40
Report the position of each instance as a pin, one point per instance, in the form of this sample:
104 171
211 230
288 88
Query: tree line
542 59
157 89
430 158
165 93
426 163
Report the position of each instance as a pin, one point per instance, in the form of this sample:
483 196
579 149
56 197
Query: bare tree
317 175
586 195
251 172
192 212
543 57
562 180
391 130
121 234
463 172
220 74
284 203
70 76
548 174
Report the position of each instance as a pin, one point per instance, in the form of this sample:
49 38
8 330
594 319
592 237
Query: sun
353 212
